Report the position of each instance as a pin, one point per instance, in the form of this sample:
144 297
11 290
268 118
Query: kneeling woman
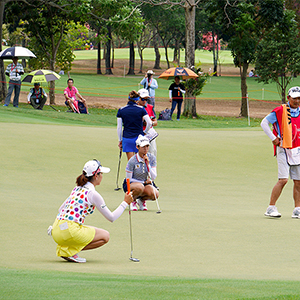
68 230
141 170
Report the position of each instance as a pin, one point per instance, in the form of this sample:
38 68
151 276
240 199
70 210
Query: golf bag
79 107
165 115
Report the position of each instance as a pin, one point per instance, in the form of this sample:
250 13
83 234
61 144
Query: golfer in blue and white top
141 171
131 117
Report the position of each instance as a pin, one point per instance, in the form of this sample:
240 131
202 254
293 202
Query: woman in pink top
70 94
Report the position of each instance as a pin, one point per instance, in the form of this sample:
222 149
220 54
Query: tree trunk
167 57
3 86
113 53
108 70
175 54
244 89
215 53
140 51
99 57
156 50
52 84
131 59
23 60
190 100
190 33
189 105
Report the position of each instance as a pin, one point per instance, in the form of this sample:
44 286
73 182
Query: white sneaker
142 204
75 258
272 212
296 213
133 206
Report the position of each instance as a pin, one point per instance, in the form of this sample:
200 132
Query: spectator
37 97
176 91
151 85
77 106
251 73
14 71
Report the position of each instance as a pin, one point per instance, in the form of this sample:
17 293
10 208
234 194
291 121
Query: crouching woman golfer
141 171
68 230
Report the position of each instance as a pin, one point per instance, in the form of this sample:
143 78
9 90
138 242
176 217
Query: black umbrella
19 52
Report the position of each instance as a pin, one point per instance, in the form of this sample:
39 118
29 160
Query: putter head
134 259
158 212
117 189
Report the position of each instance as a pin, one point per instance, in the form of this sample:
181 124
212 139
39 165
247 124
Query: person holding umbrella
176 91
37 96
14 71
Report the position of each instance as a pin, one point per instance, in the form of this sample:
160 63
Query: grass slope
107 117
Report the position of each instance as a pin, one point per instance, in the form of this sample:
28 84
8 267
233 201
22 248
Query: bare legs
145 192
101 238
277 189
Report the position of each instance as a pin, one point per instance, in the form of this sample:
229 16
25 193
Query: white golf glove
49 230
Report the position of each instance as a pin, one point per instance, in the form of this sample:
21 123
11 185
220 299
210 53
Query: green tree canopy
278 54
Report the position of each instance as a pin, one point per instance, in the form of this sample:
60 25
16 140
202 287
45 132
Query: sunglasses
99 166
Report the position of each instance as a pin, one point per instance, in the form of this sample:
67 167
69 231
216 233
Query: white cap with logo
294 92
93 167
142 141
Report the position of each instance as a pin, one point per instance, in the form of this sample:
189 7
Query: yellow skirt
71 237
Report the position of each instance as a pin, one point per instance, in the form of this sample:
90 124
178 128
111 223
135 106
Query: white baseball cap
143 93
142 141
294 92
150 72
94 166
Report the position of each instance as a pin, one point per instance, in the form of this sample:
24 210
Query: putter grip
128 185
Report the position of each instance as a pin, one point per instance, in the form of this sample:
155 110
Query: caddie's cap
93 167
143 93
150 72
142 141
294 92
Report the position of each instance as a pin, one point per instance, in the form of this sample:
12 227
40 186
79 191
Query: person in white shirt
14 71
68 230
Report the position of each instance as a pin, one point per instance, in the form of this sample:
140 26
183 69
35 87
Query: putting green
214 189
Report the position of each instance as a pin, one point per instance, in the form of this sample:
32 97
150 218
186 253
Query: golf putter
118 173
156 200
130 226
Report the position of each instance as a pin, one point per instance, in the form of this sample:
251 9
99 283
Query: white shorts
284 169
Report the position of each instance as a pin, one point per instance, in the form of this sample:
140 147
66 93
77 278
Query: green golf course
211 240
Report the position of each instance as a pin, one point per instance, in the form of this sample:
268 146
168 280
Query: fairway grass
211 240
21 284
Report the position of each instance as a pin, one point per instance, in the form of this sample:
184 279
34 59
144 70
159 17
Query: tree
245 24
143 42
47 21
278 58
193 88
189 7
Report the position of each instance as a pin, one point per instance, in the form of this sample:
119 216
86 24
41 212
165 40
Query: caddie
286 140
